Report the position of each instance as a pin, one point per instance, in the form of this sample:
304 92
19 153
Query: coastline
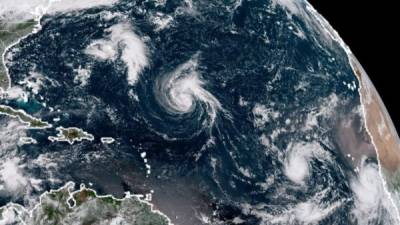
38 13
69 187
357 67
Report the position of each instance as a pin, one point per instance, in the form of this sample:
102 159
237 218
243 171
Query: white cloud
309 212
34 82
291 5
22 10
371 200
15 92
179 91
11 175
297 163
8 216
82 76
262 115
10 133
161 20
14 179
102 49
72 5
134 51
324 110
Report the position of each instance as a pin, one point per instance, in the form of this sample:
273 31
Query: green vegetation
71 135
32 122
50 212
9 34
393 179
88 209
110 200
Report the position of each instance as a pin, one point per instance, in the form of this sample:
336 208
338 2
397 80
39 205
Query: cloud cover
22 10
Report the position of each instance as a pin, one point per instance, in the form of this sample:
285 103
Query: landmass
32 122
11 32
71 135
27 140
379 123
65 206
107 140
382 132
83 207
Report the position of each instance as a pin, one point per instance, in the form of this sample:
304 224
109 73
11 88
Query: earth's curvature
218 112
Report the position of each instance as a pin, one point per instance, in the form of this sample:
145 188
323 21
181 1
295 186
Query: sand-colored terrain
378 122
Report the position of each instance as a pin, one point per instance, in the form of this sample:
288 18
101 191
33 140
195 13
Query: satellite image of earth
151 112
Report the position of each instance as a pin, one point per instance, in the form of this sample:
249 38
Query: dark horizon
368 29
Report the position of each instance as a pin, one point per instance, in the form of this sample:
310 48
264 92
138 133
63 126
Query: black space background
370 29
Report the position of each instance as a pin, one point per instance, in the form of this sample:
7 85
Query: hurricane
184 101
215 112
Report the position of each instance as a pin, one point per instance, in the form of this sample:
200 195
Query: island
71 135
107 140
32 122
27 140
83 207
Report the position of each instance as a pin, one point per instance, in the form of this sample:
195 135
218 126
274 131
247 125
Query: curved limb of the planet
378 123
382 132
